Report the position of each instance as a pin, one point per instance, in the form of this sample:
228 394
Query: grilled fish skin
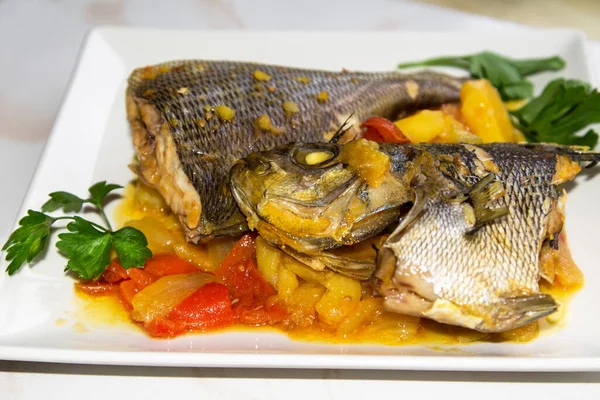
471 221
192 119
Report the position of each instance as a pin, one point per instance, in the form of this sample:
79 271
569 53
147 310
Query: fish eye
315 157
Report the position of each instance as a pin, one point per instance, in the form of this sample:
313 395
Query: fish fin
345 127
480 196
487 215
528 308
414 213
579 154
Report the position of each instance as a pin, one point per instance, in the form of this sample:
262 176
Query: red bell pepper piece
97 288
250 292
382 130
207 308
168 264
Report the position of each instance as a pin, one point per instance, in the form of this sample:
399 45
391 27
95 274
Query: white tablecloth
39 41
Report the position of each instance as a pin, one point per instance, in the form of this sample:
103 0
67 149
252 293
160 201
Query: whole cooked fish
192 119
472 219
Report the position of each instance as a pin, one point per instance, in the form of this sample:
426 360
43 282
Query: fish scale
207 146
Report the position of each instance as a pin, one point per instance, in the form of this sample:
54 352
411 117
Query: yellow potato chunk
341 298
207 257
449 133
525 333
301 305
393 328
422 126
287 282
485 113
196 254
268 259
364 314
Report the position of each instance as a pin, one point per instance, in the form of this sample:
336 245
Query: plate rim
283 359
302 361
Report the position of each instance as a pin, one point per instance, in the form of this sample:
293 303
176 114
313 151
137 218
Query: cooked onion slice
161 297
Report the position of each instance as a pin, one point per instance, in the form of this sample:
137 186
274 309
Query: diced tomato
168 264
240 273
128 289
250 291
207 308
97 288
261 312
114 272
141 277
382 130
135 279
242 251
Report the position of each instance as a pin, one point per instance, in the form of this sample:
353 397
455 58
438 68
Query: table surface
39 42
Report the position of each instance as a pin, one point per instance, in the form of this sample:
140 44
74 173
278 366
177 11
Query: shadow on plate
299 374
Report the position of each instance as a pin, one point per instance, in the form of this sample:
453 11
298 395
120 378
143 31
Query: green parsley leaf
27 241
565 107
67 201
131 247
87 245
100 190
86 248
504 73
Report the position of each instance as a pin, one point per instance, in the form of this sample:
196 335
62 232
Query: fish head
304 197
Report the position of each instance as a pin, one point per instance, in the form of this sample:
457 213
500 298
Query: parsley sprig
504 73
87 245
565 107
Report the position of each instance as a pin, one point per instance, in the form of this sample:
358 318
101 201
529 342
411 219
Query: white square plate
41 319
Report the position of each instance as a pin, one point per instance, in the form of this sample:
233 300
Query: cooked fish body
192 119
472 221
468 251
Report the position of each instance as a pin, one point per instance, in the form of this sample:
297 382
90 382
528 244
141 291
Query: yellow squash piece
301 304
422 126
485 113
341 298
363 156
268 259
287 282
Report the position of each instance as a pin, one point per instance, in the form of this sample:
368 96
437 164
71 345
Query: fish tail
528 308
